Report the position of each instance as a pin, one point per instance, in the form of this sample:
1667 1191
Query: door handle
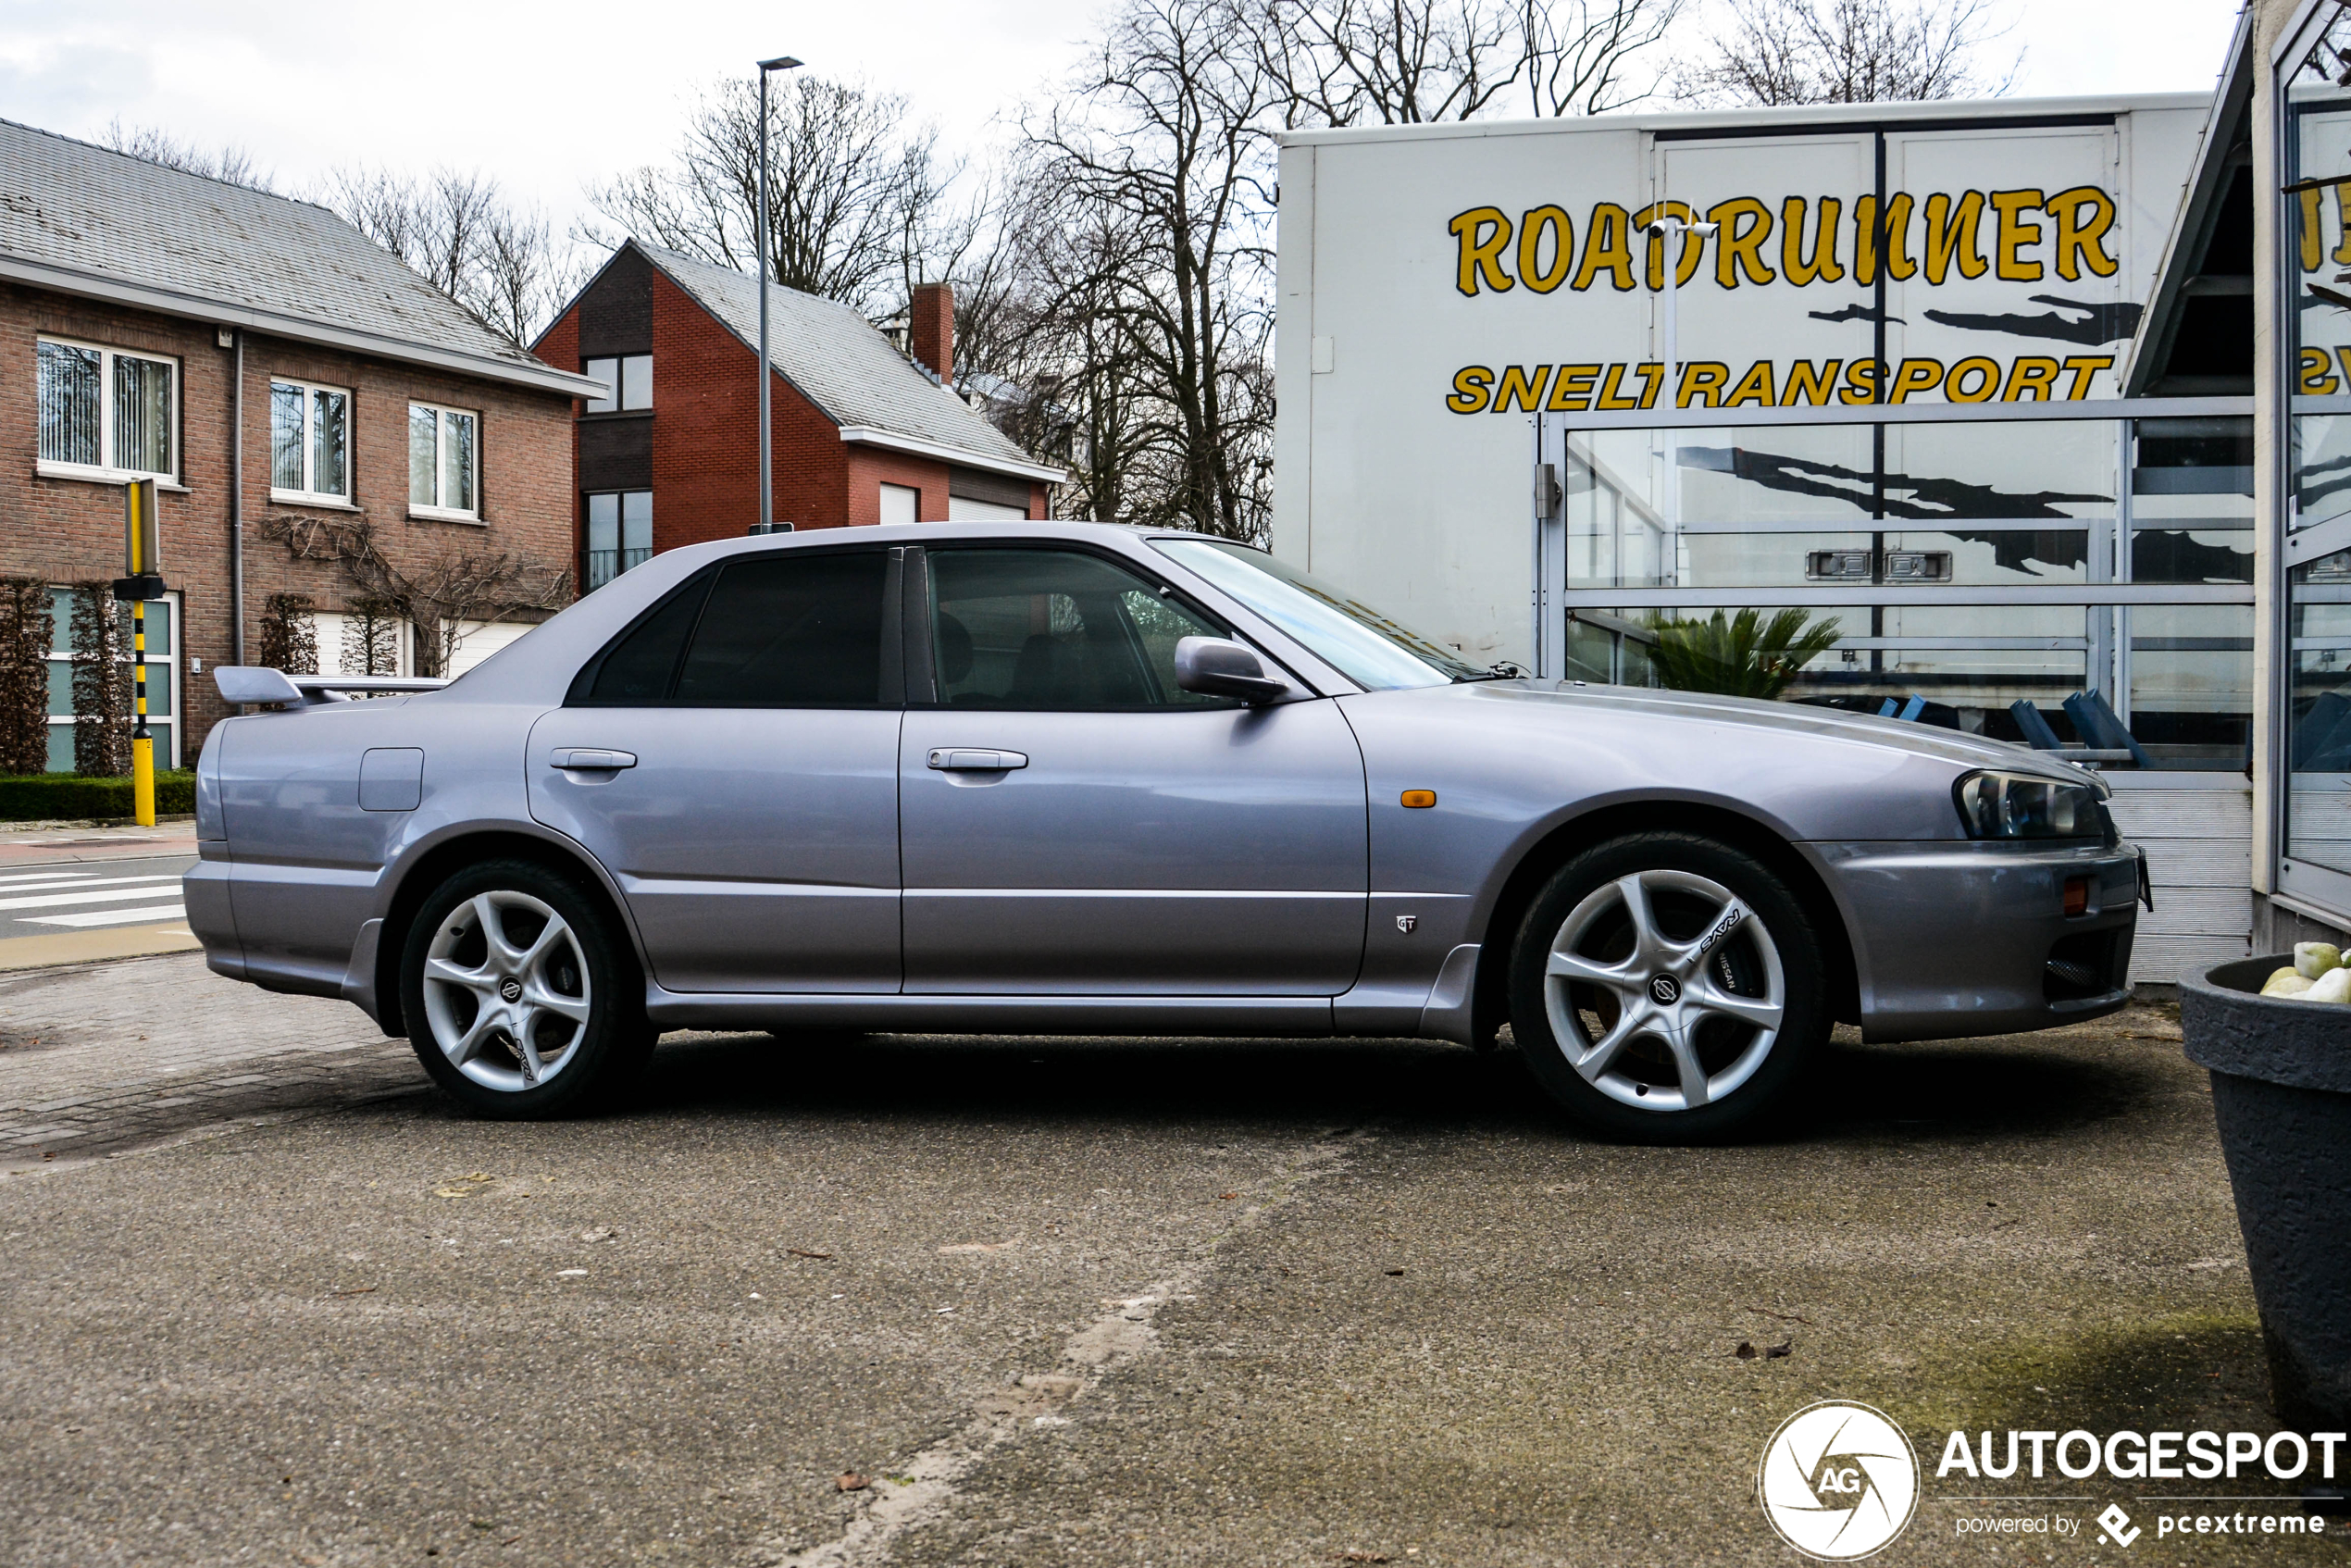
960 759
591 758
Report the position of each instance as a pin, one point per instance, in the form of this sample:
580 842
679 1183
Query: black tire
1708 979
587 965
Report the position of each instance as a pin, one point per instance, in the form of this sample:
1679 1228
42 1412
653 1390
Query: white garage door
962 509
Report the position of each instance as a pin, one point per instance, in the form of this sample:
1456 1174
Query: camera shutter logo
1839 1481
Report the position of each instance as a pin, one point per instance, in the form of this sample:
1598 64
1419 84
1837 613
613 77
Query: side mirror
240 684
1217 666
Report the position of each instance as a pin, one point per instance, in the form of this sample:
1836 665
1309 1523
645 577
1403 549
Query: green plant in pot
1739 655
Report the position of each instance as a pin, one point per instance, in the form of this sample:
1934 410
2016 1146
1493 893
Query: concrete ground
1058 1302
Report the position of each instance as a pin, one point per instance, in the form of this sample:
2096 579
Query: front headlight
2025 805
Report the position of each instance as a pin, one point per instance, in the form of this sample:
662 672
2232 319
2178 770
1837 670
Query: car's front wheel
1666 988
520 998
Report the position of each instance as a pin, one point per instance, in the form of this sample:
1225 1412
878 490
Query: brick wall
870 468
66 529
707 434
706 422
930 328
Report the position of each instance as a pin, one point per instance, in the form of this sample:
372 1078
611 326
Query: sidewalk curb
91 947
57 823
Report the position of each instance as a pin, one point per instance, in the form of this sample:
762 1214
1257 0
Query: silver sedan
1070 777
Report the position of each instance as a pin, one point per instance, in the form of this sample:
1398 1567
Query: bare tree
229 163
857 203
1118 318
1351 62
501 260
1055 354
1163 155
1584 56
1781 51
442 596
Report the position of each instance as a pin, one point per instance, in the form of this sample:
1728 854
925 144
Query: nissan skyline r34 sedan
1077 779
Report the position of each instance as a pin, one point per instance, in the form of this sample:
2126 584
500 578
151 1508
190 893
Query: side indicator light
1420 800
2077 895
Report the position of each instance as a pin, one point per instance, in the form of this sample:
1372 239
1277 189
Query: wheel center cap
1665 989
511 988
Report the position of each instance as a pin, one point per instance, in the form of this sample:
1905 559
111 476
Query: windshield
1372 650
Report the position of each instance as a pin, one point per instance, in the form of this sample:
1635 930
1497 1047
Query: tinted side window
636 670
796 630
1045 629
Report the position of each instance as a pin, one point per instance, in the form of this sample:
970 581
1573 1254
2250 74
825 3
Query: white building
1974 380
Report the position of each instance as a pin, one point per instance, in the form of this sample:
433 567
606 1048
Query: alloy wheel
506 991
1664 990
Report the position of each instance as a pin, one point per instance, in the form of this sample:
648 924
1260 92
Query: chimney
932 329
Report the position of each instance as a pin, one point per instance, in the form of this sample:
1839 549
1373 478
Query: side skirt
1308 1016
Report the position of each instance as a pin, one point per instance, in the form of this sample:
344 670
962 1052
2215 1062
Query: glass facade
620 533
2313 254
1964 567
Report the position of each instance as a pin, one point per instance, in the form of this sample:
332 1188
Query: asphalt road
1088 1302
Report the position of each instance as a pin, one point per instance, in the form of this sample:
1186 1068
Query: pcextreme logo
1838 1481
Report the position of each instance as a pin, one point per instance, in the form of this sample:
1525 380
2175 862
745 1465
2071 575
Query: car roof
933 533
558 646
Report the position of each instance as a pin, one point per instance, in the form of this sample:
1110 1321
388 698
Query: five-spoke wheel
1666 986
518 996
506 991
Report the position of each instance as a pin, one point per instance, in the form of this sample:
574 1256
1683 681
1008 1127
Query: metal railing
605 565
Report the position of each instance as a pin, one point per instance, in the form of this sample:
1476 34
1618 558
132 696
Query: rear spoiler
242 684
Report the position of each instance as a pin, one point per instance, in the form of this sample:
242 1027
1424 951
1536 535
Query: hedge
68 797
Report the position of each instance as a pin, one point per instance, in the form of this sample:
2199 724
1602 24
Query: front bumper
1952 940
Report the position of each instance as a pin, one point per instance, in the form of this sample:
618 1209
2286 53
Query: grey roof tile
66 203
839 361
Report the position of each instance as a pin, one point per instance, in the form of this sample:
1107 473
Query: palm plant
1742 656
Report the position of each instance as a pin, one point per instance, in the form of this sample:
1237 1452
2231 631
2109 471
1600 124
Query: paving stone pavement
95 1057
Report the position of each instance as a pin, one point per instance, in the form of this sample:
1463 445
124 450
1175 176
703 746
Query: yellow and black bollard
142 554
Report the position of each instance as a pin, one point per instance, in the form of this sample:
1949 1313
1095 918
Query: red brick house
862 434
158 324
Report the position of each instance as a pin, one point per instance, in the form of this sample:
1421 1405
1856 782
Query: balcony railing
605 565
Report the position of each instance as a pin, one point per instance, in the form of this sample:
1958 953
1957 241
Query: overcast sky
548 97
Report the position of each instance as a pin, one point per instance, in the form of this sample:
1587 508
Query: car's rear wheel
521 999
1666 988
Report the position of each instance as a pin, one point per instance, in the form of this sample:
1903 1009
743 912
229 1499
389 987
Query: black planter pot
2281 1094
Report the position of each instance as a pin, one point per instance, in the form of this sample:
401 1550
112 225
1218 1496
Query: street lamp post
766 437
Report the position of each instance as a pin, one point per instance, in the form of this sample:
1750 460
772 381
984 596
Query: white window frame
106 472
163 668
309 495
442 412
